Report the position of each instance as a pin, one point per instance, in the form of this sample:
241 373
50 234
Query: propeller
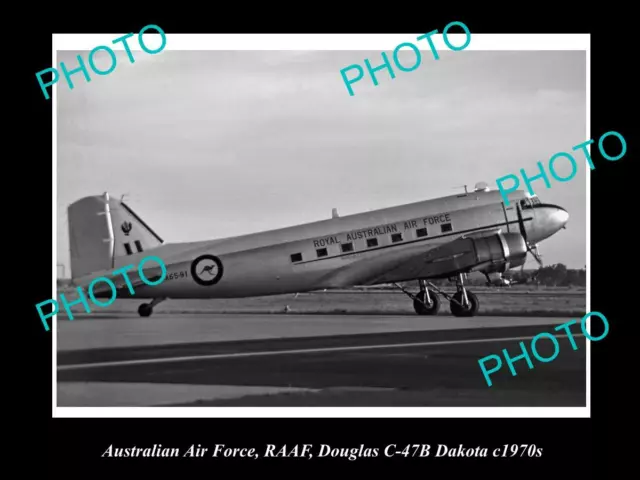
533 250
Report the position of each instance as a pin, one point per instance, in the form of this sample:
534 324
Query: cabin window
372 242
138 245
396 237
296 257
127 247
322 252
421 232
446 227
347 247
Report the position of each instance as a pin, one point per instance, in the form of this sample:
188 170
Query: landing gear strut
463 303
146 309
426 302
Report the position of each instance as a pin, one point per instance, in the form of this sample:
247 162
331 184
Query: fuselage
340 252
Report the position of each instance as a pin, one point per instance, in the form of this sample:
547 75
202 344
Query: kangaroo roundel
206 270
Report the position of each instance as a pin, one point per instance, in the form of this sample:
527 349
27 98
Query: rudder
103 231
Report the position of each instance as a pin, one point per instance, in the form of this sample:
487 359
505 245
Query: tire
421 309
469 311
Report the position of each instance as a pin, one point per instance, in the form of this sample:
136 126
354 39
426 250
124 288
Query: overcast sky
220 143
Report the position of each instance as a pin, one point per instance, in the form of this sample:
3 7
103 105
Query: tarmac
311 360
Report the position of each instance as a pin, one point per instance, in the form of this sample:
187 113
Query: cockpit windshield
529 202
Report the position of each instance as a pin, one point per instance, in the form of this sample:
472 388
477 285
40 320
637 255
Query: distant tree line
557 275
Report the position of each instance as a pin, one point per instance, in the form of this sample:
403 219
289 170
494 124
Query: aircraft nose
549 219
560 217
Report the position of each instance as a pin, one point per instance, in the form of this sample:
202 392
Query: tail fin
103 231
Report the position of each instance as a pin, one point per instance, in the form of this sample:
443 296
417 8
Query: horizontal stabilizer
151 271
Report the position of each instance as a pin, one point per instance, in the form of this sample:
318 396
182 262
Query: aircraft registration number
176 275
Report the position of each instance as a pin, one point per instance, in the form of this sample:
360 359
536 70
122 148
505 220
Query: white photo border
368 42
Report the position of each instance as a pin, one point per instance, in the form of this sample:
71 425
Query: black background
572 447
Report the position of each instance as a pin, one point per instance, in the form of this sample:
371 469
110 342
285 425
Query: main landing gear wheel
425 304
460 308
146 309
463 303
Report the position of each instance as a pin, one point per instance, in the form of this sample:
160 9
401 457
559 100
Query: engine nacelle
500 252
487 253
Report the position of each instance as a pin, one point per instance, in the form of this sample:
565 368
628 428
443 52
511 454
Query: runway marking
144 361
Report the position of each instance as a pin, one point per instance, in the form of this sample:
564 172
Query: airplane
442 238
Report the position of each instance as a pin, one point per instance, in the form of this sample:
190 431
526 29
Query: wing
489 250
